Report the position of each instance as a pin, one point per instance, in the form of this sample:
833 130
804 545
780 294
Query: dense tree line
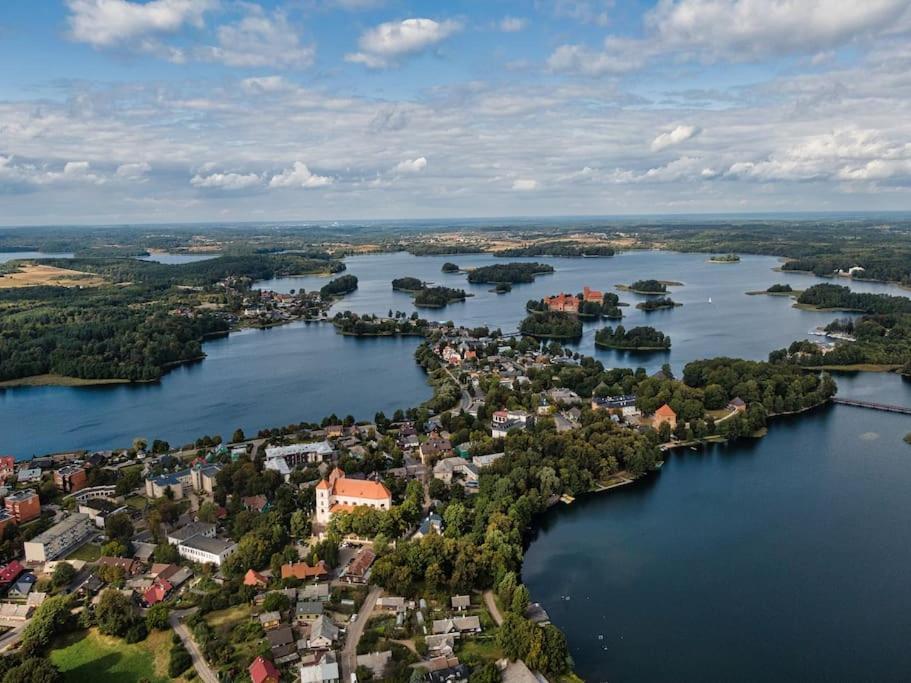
657 304
779 289
407 284
551 325
644 338
565 249
840 297
513 273
449 267
650 286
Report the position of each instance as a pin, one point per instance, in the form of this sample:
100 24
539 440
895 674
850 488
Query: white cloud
675 136
618 56
259 40
744 29
133 170
226 181
411 165
299 176
586 11
524 184
385 45
513 24
104 23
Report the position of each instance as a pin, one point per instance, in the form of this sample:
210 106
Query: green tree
114 613
157 617
520 599
63 575
34 671
238 435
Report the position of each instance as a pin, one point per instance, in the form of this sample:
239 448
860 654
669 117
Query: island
634 339
449 267
339 287
661 303
777 290
512 273
397 325
438 297
589 304
725 258
407 284
649 286
551 325
502 288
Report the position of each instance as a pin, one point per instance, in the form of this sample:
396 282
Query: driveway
355 631
203 670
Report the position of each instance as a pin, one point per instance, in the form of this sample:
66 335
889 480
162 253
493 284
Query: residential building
270 620
282 643
176 481
6 518
737 404
314 591
339 494
9 573
257 503
308 610
665 414
202 477
157 592
99 509
391 603
480 461
460 602
205 550
626 404
323 633
255 579
304 572
326 670
434 448
504 420
70 479
457 625
23 505
192 529
263 671
28 475
358 570
59 539
432 524
448 468
130 566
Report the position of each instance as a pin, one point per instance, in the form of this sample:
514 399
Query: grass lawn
89 657
89 552
226 619
137 502
480 648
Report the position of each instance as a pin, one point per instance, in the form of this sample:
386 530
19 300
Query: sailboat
710 299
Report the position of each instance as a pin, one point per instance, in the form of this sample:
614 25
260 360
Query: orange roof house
340 494
303 571
255 579
263 671
592 295
664 414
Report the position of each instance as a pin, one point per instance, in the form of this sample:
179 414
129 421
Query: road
491 603
12 637
203 670
465 401
355 631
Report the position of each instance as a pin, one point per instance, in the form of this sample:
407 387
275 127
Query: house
737 404
358 570
175 481
70 479
377 662
664 414
255 579
188 531
561 395
99 509
129 566
9 573
451 674
307 610
304 572
460 602
255 503
626 404
326 670
270 620
435 447
391 604
480 461
432 524
283 459
22 587
28 475
339 494
440 644
448 468
263 671
59 539
203 477
157 592
323 633
314 591
282 643
205 550
456 625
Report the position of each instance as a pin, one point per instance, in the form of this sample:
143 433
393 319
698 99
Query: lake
257 379
783 558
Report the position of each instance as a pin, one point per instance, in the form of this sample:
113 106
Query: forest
551 325
407 284
338 287
649 286
438 297
564 249
634 339
661 303
513 273
450 268
826 296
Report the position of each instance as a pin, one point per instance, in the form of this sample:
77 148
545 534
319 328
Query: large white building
59 539
283 459
205 550
340 494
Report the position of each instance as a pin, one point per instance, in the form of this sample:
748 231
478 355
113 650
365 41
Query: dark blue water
14 255
251 379
264 379
784 558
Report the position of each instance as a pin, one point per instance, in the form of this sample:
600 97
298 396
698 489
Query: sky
156 111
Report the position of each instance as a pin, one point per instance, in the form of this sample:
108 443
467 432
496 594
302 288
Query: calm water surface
164 257
14 255
783 558
260 379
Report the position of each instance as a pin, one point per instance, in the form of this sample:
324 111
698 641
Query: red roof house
254 578
263 671
10 572
157 592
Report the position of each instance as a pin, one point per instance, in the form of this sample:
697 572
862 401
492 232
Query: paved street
355 630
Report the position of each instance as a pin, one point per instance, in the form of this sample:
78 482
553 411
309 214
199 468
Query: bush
179 661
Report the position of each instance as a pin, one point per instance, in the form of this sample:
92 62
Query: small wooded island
340 286
725 258
399 324
634 339
661 303
449 267
513 273
428 297
778 290
649 286
551 325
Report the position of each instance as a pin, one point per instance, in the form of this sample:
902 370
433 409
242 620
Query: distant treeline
837 296
636 338
513 273
566 249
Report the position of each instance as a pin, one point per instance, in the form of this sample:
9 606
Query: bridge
885 407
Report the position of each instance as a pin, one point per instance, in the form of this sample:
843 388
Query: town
281 557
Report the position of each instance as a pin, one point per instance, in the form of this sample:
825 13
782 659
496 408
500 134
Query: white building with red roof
339 494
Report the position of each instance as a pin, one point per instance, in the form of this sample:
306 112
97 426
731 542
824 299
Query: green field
89 657
89 552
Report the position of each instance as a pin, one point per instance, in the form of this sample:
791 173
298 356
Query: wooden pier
885 407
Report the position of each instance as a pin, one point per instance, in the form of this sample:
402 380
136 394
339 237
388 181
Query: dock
884 407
